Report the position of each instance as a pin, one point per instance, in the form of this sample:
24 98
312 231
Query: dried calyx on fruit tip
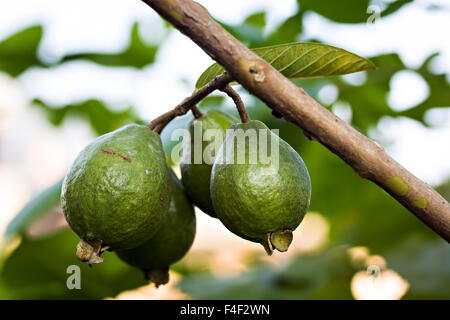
158 277
279 240
90 252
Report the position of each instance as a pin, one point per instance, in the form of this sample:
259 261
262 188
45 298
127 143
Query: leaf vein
309 64
328 63
298 58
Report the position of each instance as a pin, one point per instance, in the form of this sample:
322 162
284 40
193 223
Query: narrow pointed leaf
302 60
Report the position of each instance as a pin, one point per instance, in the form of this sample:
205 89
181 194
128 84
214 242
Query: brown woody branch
365 156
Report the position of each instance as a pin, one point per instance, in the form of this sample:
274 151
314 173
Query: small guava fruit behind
117 192
196 176
170 243
258 199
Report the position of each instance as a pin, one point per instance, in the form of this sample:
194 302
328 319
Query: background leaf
425 265
101 118
439 91
38 206
302 60
394 6
19 51
344 11
37 270
310 276
138 54
251 29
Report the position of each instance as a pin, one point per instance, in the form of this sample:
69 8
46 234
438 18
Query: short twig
238 102
187 104
158 128
197 113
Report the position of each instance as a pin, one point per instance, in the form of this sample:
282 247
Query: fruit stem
197 113
238 102
267 245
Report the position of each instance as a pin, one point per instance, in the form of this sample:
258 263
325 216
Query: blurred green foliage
313 276
101 118
425 264
44 202
359 213
338 11
138 54
37 269
19 51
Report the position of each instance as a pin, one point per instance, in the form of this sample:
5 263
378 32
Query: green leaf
37 269
19 51
257 19
372 94
395 6
138 54
348 11
37 207
344 11
444 190
250 31
101 118
302 60
288 30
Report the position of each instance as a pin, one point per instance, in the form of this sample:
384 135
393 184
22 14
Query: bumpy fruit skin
117 190
257 201
196 177
172 240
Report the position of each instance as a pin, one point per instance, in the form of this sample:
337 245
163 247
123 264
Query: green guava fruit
196 176
170 243
116 194
258 199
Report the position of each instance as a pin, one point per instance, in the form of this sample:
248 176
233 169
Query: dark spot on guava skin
108 151
124 157
120 155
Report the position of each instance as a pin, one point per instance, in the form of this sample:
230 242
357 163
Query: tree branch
187 104
365 156
238 102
